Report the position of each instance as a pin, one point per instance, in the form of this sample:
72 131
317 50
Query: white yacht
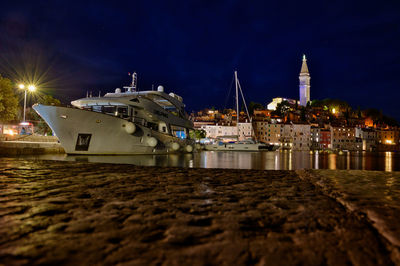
128 122
244 145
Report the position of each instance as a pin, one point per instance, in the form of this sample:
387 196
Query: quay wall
12 148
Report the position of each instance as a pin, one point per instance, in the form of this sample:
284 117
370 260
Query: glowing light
9 132
333 110
388 141
31 88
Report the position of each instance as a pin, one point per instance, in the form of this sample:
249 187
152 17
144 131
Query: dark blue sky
193 47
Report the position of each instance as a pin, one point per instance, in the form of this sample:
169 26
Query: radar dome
160 88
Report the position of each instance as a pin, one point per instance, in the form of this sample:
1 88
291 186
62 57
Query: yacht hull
239 147
86 132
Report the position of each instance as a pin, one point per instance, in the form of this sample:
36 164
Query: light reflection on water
278 160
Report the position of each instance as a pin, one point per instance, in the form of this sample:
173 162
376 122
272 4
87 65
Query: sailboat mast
237 104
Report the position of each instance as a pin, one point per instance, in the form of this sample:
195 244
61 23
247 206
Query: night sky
193 47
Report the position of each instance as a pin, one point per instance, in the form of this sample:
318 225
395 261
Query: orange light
9 132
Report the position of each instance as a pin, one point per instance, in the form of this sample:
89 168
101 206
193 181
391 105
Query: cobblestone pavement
55 212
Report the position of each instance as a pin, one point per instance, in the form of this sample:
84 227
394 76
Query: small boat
244 145
129 122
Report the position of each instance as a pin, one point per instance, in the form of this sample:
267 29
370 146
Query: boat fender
198 146
189 148
175 146
152 141
130 128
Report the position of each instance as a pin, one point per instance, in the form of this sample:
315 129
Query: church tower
304 83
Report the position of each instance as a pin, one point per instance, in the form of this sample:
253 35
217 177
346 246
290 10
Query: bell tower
304 83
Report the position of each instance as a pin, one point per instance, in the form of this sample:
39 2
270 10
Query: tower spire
304 67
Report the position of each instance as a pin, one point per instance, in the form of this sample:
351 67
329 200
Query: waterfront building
388 139
260 130
368 138
201 124
325 141
304 83
268 132
344 138
220 131
296 136
245 131
388 136
315 137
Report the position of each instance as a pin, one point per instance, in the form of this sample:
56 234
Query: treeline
343 107
330 106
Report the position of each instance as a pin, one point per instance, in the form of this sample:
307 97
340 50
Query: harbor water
276 160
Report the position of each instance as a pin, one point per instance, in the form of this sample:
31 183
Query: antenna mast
134 81
238 87
237 104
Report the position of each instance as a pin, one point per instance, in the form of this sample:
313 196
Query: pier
55 212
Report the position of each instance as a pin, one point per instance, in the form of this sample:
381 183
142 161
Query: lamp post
31 88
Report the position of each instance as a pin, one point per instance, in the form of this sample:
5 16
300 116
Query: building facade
368 138
268 132
296 136
221 131
315 137
344 138
325 141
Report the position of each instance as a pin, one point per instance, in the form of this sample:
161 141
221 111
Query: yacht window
136 100
122 112
96 108
109 109
179 132
153 126
164 103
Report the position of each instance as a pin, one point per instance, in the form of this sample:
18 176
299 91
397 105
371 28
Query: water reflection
278 160
332 161
388 161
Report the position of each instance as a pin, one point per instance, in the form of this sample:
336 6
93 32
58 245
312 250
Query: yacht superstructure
129 122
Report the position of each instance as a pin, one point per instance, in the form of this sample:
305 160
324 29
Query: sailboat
243 145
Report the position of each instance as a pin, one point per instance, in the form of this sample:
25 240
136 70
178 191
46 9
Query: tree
198 134
359 112
255 106
8 101
303 116
346 115
282 108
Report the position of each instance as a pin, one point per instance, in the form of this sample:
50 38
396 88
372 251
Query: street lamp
31 88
